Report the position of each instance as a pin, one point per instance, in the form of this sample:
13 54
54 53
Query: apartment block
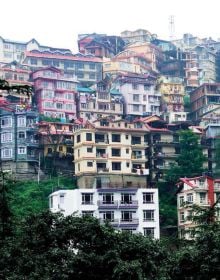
55 93
87 68
204 99
140 95
110 153
139 35
19 143
14 50
100 101
203 191
135 210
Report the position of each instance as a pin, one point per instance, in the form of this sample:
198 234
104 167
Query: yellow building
172 92
111 152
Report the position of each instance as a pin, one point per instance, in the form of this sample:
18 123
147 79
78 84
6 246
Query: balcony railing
131 221
128 204
107 204
104 156
102 170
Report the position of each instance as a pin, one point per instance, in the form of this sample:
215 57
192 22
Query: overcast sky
57 23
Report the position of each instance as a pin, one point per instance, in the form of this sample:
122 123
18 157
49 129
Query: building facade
202 191
19 142
140 95
55 93
135 210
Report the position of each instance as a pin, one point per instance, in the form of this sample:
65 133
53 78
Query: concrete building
55 93
204 99
18 142
111 153
87 68
100 101
100 45
56 146
127 209
172 93
13 50
140 95
203 191
139 35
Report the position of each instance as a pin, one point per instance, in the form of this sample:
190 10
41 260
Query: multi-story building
172 93
203 191
13 50
56 143
87 68
18 142
139 35
126 209
110 153
203 100
55 93
16 75
100 101
140 95
100 45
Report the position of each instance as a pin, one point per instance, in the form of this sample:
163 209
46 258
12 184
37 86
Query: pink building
55 93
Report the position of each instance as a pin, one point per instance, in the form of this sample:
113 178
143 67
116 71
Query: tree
190 161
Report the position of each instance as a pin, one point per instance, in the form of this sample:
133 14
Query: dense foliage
190 161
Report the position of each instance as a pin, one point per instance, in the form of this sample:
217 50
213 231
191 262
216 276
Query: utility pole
38 173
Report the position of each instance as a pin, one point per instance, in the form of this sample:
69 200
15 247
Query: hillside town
110 117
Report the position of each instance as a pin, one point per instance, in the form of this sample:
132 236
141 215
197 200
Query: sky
57 23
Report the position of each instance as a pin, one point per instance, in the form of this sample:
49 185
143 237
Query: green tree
190 161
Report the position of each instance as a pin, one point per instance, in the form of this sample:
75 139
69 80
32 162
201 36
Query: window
6 153
69 106
108 198
6 137
182 217
136 97
116 138
116 152
202 198
146 87
126 137
181 201
6 122
78 138
33 61
21 135
148 198
126 198
144 97
48 104
134 86
21 150
127 151
62 198
60 148
148 215
89 150
88 136
189 198
149 232
87 198
116 166
22 121
91 65
136 108
127 164
87 213
91 76
89 163
108 216
59 105
126 216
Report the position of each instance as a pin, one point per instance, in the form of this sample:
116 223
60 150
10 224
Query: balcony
107 204
103 170
102 156
113 222
128 204
129 222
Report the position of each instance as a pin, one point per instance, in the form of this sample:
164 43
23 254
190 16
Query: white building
202 191
131 209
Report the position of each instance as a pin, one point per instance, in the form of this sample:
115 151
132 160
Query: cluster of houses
109 115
